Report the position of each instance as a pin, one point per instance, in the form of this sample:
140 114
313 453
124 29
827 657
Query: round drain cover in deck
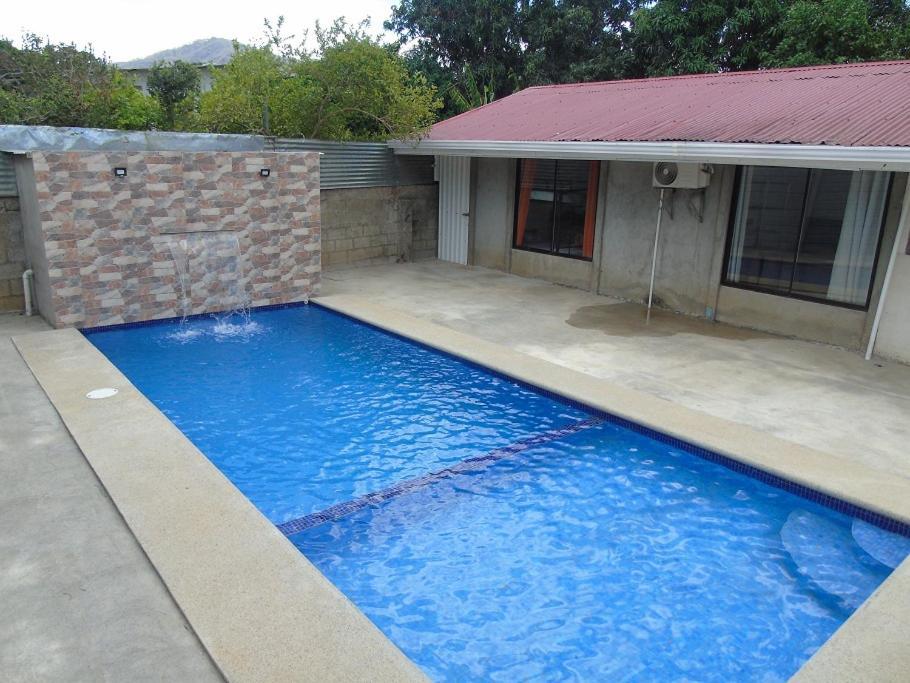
106 392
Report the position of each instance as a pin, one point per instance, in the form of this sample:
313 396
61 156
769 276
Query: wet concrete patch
631 320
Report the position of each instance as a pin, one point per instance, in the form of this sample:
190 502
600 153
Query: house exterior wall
562 271
690 257
894 331
624 234
494 184
367 225
791 317
110 250
690 248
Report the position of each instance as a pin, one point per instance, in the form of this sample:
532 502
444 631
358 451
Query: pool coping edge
220 559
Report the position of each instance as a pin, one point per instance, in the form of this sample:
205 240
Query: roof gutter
817 156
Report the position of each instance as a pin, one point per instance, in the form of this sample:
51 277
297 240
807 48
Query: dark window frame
551 251
731 225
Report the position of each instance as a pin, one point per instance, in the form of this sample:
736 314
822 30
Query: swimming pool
495 532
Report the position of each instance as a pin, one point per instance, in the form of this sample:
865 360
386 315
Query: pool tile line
805 492
473 464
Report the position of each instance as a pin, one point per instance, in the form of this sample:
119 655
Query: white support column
899 239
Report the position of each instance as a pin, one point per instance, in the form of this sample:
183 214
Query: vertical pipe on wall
899 238
660 213
27 290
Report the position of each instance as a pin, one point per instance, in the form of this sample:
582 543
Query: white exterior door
454 175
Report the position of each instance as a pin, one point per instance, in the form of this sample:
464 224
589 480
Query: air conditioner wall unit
675 175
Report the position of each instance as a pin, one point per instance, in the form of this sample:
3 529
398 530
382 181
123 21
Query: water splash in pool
184 334
236 326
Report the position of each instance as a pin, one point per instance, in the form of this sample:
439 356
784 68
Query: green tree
477 50
353 88
48 84
120 104
173 83
575 40
62 85
682 37
476 39
689 36
458 89
242 91
835 31
350 88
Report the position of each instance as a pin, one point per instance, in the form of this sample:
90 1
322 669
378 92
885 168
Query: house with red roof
774 199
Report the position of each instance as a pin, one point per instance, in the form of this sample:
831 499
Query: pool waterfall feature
211 276
317 413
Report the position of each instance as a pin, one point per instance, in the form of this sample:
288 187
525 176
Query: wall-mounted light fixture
265 172
120 172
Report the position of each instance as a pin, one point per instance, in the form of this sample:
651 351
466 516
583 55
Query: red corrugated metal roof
845 104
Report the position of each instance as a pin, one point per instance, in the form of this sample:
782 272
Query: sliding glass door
807 233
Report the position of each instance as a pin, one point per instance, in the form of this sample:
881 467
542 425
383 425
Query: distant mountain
205 51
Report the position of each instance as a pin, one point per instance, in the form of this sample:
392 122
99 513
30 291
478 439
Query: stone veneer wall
12 255
114 247
367 225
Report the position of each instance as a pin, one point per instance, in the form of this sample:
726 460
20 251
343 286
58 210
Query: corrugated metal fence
343 164
7 176
361 164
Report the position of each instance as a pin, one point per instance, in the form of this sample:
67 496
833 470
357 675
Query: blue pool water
495 533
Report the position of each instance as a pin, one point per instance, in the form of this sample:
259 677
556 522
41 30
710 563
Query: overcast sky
129 29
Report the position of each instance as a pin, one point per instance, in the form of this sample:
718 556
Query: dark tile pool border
195 316
800 490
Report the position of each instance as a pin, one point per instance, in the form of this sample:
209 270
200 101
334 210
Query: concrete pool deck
173 499
80 600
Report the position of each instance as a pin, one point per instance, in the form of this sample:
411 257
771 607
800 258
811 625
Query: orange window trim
528 171
587 244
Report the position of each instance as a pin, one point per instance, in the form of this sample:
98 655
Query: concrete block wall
109 250
367 225
12 255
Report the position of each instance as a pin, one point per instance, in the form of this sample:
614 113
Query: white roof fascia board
820 156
